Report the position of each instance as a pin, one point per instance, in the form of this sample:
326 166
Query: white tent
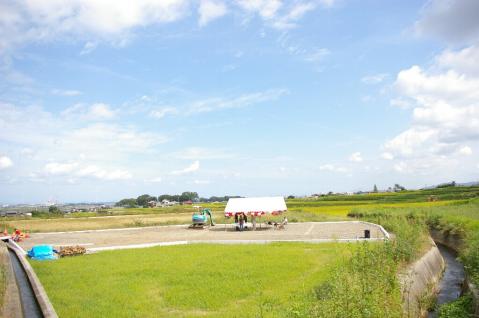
256 206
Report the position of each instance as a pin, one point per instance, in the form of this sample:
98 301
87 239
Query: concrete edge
456 244
42 298
227 242
18 247
381 228
419 278
11 307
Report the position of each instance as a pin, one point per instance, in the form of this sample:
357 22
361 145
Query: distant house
15 213
189 202
152 203
9 213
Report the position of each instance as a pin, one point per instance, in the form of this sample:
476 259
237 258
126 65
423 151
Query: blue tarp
42 252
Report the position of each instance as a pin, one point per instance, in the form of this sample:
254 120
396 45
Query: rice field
298 211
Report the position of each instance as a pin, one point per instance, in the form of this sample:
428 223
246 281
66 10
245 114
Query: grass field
278 280
189 281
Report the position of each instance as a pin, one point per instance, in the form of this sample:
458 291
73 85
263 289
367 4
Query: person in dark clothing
241 221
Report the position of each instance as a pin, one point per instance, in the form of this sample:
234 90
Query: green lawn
189 281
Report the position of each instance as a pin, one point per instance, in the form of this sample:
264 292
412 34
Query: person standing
241 221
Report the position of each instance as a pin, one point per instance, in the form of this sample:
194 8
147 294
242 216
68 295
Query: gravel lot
181 234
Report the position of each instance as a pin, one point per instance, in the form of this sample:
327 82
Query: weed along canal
450 286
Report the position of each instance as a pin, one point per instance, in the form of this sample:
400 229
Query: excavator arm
208 212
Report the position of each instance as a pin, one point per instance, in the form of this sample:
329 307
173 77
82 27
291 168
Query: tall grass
365 284
460 220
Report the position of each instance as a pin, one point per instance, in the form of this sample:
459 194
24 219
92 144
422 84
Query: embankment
420 279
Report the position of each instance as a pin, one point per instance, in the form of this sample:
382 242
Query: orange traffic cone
5 232
27 234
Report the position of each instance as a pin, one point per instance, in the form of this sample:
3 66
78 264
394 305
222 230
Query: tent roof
263 204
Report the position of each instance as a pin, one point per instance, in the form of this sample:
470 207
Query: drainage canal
450 286
30 306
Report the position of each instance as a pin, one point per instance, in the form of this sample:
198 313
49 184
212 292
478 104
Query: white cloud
374 79
115 21
77 170
46 20
154 107
110 141
444 99
317 55
5 162
201 182
88 47
229 67
64 140
356 157
401 166
69 92
101 111
327 3
465 150
387 156
210 10
27 152
96 111
267 9
195 166
55 168
155 180
279 14
410 140
99 173
463 61
199 153
162 112
296 12
333 168
214 104
427 87
401 103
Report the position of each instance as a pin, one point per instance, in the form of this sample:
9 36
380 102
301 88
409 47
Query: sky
102 100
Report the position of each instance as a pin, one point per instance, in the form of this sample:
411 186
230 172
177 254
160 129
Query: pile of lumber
71 251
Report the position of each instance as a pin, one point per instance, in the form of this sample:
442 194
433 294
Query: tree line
144 199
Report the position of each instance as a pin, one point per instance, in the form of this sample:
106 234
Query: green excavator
200 218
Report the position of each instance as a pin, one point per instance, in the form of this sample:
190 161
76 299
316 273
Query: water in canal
451 284
30 306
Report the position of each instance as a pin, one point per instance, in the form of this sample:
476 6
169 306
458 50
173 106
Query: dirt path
150 236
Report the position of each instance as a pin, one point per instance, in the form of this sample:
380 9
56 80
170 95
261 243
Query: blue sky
101 100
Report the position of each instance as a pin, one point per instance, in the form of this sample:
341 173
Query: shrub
460 308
